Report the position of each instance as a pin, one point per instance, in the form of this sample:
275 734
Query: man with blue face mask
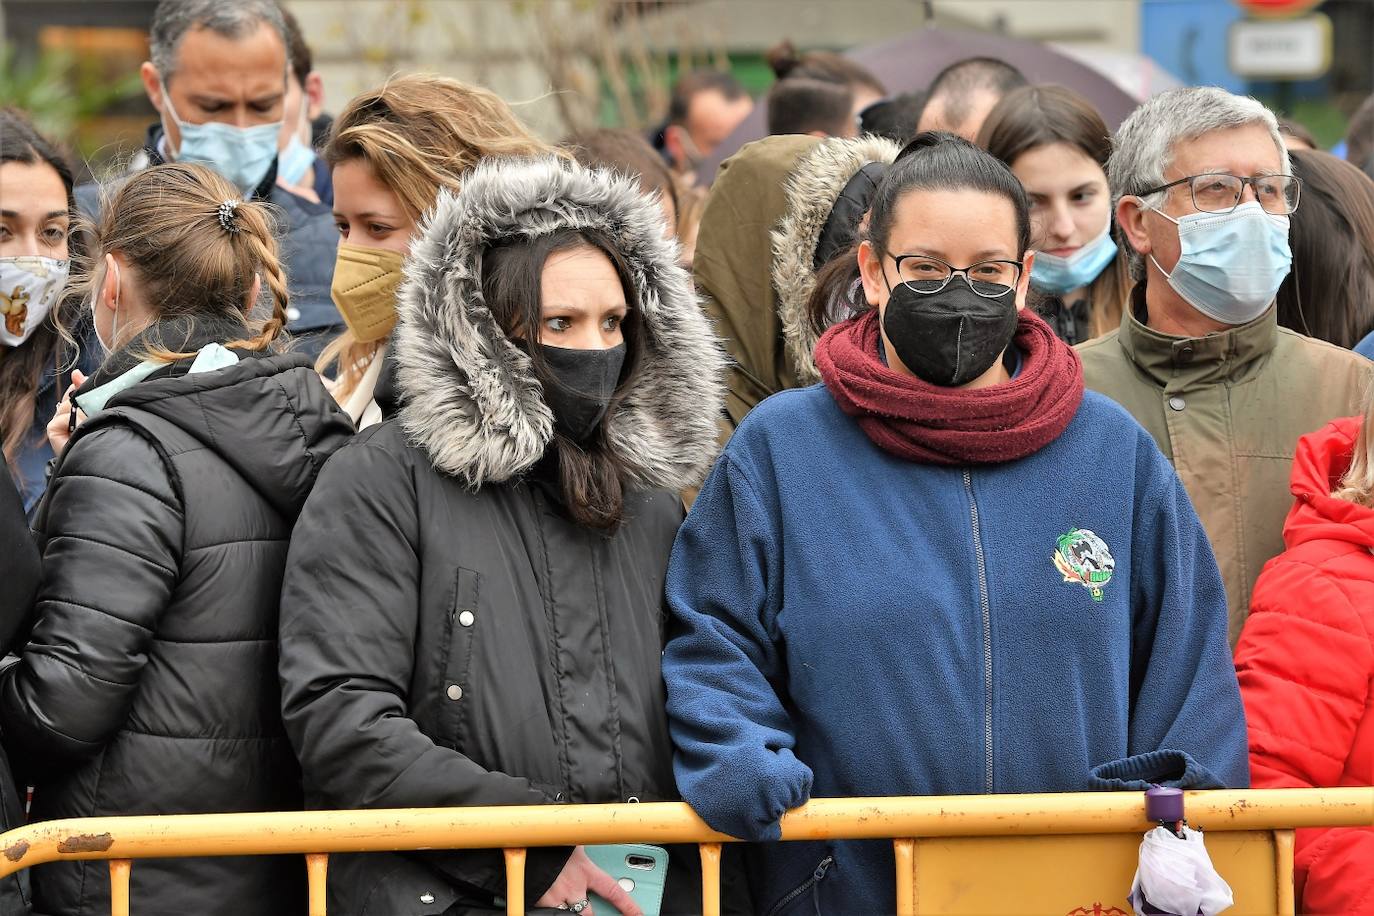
1203 192
218 79
299 169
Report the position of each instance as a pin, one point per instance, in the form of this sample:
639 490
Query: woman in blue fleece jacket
946 569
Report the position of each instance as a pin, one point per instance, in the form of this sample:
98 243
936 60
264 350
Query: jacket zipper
987 630
802 888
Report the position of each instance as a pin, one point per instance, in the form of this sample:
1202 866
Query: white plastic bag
1176 876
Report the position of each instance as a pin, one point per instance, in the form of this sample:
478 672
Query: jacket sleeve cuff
1175 769
754 814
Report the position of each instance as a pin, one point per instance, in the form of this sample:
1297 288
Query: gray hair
1143 148
233 19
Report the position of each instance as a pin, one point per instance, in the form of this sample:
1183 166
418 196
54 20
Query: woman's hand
60 426
579 878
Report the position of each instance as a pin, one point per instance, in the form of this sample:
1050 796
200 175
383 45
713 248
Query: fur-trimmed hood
470 396
812 191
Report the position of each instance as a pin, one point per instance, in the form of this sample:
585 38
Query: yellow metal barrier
944 845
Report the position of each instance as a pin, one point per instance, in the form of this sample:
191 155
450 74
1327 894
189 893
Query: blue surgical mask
1055 276
1230 265
294 161
241 154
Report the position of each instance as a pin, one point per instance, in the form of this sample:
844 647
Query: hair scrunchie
226 214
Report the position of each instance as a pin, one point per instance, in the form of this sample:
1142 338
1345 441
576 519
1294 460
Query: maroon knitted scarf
930 424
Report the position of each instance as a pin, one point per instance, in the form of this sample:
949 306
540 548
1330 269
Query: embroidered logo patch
1083 557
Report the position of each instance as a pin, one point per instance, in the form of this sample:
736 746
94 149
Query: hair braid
196 249
256 236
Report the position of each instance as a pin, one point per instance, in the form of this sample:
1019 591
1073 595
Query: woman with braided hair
148 683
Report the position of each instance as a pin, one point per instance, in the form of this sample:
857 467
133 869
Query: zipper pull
822 868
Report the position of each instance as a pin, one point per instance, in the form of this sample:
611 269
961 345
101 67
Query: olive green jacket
755 260
1227 409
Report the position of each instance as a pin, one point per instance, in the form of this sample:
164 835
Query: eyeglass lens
1277 194
930 275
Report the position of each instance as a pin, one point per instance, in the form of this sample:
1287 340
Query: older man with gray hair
1203 192
217 78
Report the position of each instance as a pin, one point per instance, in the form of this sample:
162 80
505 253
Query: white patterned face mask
30 288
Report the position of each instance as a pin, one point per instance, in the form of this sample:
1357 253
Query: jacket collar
1190 362
1321 460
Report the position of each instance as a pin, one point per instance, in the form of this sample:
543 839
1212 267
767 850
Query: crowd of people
946 442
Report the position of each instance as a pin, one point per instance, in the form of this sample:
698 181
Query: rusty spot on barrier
86 842
16 852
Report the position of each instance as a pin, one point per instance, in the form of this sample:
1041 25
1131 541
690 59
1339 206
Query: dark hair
626 152
955 86
591 476
1359 137
799 106
934 161
297 51
690 85
1033 116
23 366
894 118
787 62
1329 294
1290 128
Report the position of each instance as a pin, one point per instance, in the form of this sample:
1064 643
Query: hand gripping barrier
1062 854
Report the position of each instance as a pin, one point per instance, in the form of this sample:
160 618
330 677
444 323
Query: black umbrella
911 61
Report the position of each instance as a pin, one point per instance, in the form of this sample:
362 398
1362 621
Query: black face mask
951 337
581 388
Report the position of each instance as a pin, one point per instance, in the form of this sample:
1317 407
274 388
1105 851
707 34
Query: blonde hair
1357 486
196 248
418 134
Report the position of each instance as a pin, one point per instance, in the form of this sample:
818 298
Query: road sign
1277 8
1283 49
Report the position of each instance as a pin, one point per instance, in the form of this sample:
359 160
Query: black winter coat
148 684
478 649
449 636
22 566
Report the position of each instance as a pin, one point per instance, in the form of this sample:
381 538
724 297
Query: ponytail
197 250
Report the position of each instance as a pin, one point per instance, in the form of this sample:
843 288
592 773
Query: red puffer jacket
1306 666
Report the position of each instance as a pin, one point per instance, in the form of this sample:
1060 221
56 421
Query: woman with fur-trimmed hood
473 611
780 209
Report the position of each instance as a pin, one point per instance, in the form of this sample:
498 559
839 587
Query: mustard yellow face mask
364 289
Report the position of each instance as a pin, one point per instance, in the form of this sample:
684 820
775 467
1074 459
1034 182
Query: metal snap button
633 799
455 692
466 618
292 313
1177 403
426 898
1185 354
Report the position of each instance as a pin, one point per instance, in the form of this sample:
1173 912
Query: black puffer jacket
148 684
449 636
22 567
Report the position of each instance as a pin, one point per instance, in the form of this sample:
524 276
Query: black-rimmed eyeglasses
1219 192
926 275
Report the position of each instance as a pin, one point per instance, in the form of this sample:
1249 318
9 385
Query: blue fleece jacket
847 623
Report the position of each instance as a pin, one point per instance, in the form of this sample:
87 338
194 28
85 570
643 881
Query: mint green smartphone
640 870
